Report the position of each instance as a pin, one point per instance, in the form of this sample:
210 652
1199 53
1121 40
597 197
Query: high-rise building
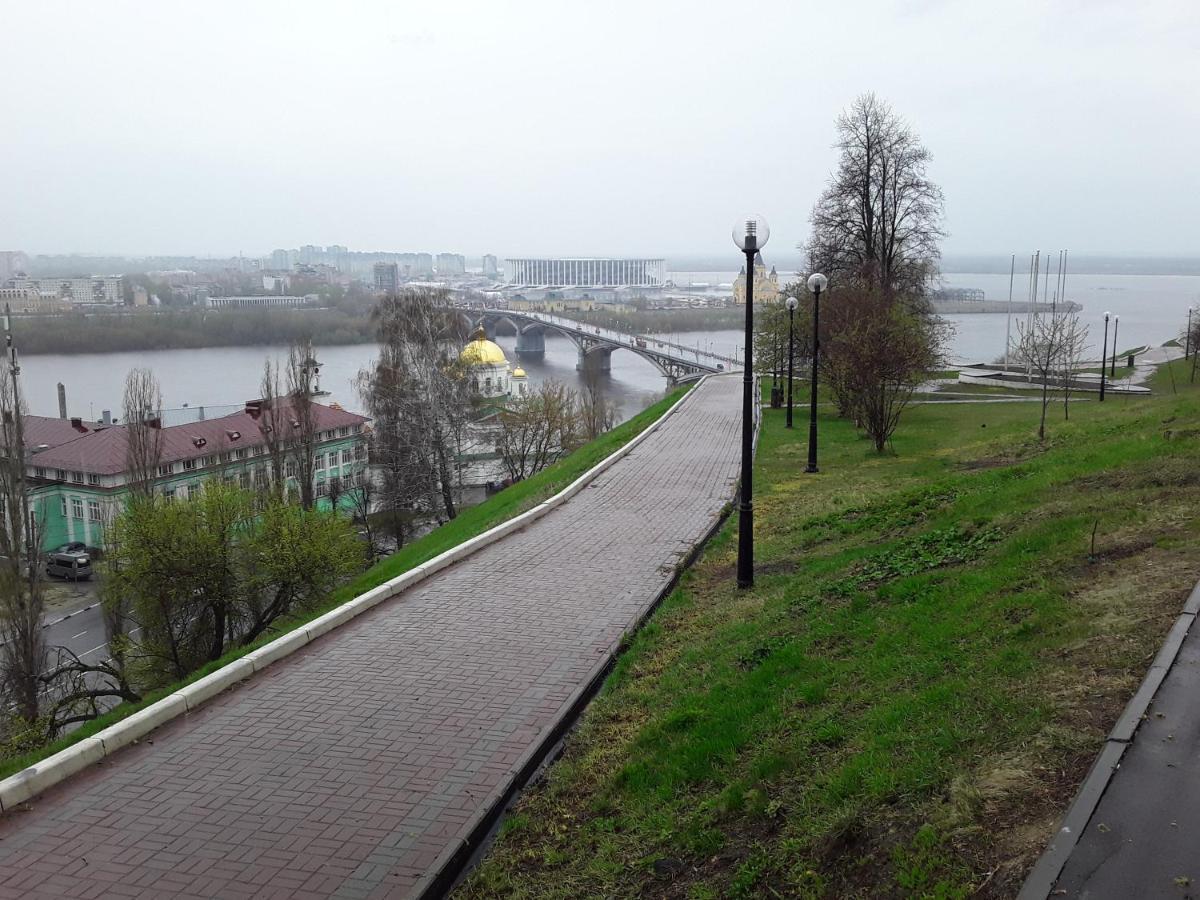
99 289
422 264
643 273
451 264
280 261
387 277
12 263
490 266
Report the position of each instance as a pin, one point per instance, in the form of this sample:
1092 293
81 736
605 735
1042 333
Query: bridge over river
597 344
372 761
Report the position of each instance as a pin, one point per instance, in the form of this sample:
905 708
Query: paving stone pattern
352 767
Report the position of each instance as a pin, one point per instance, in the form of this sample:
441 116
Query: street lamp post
1112 372
750 235
1187 338
1103 358
816 284
792 303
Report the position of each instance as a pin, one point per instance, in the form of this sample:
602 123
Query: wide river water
1152 309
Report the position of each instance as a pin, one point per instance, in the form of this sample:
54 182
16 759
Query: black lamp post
1187 338
1104 358
816 284
750 235
1112 371
792 303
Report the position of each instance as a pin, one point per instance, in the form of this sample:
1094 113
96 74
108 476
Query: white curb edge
46 773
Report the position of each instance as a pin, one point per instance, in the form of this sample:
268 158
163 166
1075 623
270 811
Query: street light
1187 338
749 235
1112 372
792 303
1103 357
816 283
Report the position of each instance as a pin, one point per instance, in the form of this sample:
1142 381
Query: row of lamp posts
750 236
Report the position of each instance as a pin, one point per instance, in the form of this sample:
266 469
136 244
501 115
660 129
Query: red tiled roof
103 450
41 430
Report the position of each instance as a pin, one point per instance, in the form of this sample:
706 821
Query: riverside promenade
357 767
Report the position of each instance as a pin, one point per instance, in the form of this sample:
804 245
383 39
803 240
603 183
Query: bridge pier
598 359
531 342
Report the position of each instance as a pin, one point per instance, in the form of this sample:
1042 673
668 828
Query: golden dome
482 352
518 372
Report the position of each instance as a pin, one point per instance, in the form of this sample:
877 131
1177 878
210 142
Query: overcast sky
583 128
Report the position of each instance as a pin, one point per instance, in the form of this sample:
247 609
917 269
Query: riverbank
935 649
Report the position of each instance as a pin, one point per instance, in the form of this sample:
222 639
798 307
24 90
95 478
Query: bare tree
273 425
597 414
876 353
141 407
1075 342
538 429
418 395
364 498
1042 345
879 219
301 427
23 653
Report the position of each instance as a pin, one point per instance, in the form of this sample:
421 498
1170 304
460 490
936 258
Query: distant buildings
959 295
105 290
273 300
386 277
451 264
28 300
12 263
579 272
491 268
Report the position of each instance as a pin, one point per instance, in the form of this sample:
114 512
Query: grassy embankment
912 692
510 502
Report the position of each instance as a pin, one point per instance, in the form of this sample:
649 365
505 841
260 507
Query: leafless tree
418 395
364 499
538 429
23 653
142 408
1075 343
1042 346
876 352
301 424
597 414
879 219
273 425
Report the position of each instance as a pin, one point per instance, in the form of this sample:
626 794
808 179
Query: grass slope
510 502
915 687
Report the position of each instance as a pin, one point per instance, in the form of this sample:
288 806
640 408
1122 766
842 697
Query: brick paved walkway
352 767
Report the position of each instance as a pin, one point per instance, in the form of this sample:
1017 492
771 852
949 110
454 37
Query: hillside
937 643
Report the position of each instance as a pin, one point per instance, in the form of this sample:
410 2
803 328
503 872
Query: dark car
75 566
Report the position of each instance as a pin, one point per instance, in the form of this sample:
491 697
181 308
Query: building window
39 472
93 479
76 508
260 477
63 503
164 469
360 451
319 461
169 493
344 430
189 465
77 477
240 453
346 456
93 511
60 475
291 468
244 478
193 491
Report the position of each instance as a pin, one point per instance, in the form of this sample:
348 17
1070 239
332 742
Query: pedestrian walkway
357 766
1143 839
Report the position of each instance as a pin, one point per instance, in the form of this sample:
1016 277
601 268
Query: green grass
510 502
927 664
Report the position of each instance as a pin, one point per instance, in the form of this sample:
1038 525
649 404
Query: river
222 378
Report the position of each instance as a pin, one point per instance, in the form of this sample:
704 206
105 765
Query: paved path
351 768
1145 833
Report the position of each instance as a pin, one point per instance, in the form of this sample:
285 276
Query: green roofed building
79 478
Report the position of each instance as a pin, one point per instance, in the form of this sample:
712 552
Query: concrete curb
1041 879
455 860
48 772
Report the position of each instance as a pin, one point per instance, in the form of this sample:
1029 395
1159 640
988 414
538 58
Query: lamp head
817 282
1106 314
1117 318
751 233
792 303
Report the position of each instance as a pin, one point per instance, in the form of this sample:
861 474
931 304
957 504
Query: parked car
72 547
76 566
